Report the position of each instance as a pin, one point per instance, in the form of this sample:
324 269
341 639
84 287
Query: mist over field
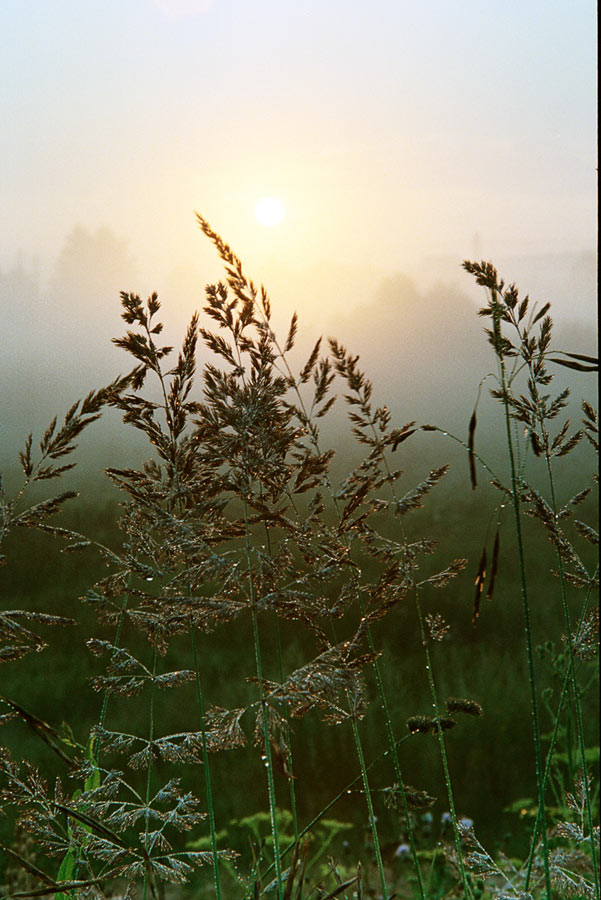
392 164
418 335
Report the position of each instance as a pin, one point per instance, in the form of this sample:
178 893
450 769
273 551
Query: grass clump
235 525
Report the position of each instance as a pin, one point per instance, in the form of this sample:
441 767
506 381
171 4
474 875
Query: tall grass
235 522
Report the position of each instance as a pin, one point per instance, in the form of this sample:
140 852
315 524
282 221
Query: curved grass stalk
465 446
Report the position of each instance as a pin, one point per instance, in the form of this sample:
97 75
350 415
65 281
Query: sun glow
269 211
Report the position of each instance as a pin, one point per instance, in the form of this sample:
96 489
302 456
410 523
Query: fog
418 334
400 138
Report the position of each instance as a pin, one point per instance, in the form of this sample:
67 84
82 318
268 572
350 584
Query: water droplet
263 757
149 578
348 791
446 433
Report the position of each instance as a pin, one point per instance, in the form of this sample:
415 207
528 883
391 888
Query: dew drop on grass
149 578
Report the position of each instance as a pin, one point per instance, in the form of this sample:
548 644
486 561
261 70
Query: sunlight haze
400 138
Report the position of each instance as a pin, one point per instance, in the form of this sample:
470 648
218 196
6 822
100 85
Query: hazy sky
391 130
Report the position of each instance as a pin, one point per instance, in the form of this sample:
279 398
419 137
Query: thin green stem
287 732
392 744
107 693
345 790
572 669
149 768
370 808
515 493
571 673
199 695
290 769
443 753
207 772
266 741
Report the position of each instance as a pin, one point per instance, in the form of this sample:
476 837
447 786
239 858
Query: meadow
271 662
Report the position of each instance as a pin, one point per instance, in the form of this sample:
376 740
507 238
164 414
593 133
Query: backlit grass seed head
437 626
463 705
419 724
428 725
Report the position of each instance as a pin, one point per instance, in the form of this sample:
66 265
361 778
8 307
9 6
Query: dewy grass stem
541 412
149 768
287 733
443 753
366 789
107 693
370 808
345 790
207 769
572 670
515 494
392 745
290 769
266 741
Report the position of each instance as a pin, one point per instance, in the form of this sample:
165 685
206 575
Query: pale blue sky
392 131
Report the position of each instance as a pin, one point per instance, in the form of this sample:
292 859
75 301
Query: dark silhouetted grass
255 601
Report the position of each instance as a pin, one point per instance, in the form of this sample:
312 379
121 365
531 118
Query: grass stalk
287 732
443 753
149 768
341 793
515 496
207 769
392 749
289 763
571 673
199 695
370 808
266 738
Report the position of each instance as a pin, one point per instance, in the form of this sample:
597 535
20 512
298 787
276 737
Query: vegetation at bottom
271 688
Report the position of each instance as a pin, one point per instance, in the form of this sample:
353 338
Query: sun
269 211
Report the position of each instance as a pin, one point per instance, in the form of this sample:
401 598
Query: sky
400 136
391 131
